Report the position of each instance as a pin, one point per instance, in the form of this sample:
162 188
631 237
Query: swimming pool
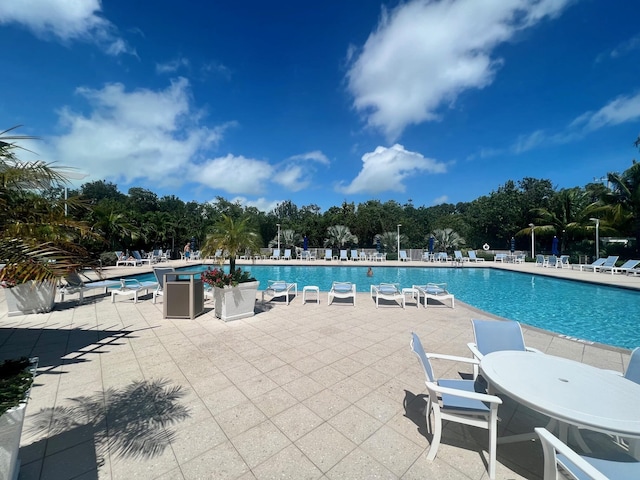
582 310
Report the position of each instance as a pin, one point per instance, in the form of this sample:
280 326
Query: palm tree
622 201
232 236
389 240
446 239
288 238
37 240
340 235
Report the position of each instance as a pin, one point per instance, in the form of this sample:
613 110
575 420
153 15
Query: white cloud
440 200
386 168
143 134
298 172
261 203
67 20
528 142
234 174
172 65
424 53
620 110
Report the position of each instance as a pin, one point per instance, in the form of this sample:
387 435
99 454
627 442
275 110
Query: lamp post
399 225
533 240
278 237
75 176
597 220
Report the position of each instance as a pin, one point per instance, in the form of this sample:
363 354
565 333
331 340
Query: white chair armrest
483 397
549 442
474 350
454 358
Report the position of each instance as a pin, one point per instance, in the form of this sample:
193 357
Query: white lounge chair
132 288
500 257
457 400
343 255
123 260
328 254
564 261
403 256
624 268
75 284
590 266
354 255
140 258
551 262
280 288
459 257
494 336
435 291
287 254
342 290
162 274
275 255
387 291
473 257
608 263
558 454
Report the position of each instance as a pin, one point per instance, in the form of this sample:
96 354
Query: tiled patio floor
299 391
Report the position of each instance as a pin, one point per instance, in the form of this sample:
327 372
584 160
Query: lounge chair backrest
610 261
354 253
342 287
472 254
73 279
136 255
418 349
328 253
160 275
497 335
388 288
457 253
633 369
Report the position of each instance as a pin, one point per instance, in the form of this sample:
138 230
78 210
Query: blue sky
324 102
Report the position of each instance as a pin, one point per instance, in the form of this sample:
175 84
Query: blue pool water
590 312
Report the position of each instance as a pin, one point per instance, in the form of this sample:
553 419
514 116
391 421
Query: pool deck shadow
298 391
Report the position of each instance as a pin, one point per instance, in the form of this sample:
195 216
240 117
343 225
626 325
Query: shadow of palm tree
133 421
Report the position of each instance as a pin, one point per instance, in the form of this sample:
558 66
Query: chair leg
437 434
493 442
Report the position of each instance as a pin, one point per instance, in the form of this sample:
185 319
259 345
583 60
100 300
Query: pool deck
299 391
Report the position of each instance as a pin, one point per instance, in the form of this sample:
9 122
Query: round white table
571 392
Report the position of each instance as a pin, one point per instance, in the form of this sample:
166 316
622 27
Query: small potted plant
16 377
234 293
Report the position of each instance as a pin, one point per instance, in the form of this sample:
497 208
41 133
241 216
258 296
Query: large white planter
30 297
10 431
234 303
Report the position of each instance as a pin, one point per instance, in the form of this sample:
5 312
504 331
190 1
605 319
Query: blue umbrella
554 246
513 244
431 242
305 243
378 246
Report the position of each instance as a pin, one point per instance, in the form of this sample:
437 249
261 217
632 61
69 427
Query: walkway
299 391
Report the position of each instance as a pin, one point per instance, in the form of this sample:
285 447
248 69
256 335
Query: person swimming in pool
370 272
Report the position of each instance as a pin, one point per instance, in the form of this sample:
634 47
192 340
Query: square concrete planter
234 303
10 431
30 297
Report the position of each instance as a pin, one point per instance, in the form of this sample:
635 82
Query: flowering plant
216 277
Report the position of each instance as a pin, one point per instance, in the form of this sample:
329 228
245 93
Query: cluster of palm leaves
37 240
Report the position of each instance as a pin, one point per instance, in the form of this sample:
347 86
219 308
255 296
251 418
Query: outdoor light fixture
597 220
533 241
75 176
278 237
399 225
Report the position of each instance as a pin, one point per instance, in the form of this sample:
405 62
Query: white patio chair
403 256
457 400
287 254
280 288
75 284
342 290
494 336
343 255
558 454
